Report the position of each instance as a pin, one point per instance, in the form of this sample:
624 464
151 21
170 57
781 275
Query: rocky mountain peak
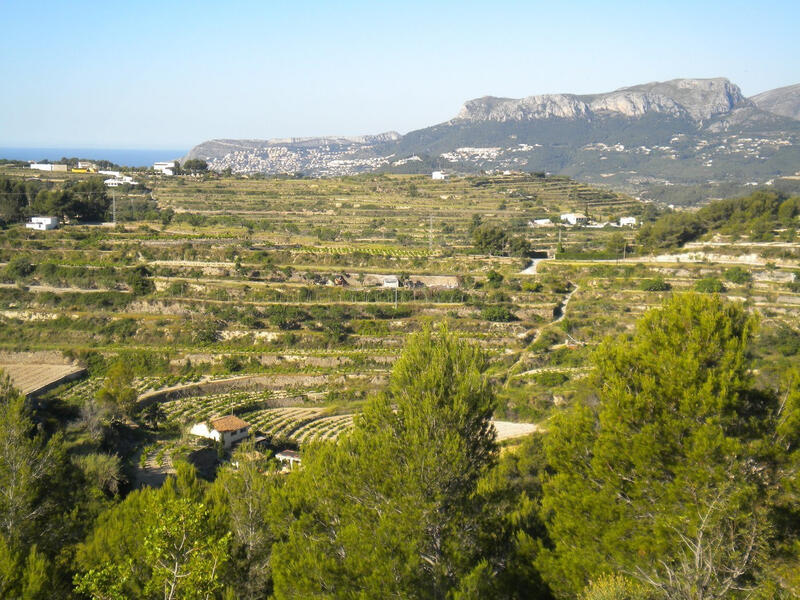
698 99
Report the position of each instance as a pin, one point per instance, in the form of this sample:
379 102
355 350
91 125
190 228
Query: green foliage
194 165
244 496
407 474
19 267
756 215
615 587
139 278
550 378
498 314
738 275
617 245
709 285
494 279
156 543
659 475
103 471
117 390
655 285
490 239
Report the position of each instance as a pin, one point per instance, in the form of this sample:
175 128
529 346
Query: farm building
166 168
42 223
120 180
440 175
540 223
48 167
391 281
229 429
574 218
289 456
623 221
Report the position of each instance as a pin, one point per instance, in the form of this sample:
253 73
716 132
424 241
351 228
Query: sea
120 156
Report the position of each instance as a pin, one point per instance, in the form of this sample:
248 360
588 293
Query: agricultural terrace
282 280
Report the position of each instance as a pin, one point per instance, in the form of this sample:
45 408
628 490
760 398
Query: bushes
654 285
738 275
709 285
498 314
19 268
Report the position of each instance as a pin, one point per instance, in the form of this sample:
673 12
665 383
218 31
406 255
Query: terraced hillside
287 281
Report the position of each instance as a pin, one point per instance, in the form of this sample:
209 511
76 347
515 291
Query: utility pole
114 207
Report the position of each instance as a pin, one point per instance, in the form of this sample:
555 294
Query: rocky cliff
698 99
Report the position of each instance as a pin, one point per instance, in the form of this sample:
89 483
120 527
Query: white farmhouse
42 223
391 281
623 221
440 175
574 218
229 430
540 223
166 168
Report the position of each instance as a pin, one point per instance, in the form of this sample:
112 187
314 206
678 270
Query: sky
172 74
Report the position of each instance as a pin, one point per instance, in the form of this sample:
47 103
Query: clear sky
171 74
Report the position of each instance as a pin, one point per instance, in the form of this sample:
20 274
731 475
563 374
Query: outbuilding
289 456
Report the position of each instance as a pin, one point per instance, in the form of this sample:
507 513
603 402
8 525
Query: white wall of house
202 430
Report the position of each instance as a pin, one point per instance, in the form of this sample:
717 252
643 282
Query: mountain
642 139
783 101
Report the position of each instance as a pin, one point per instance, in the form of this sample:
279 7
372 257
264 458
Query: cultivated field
283 280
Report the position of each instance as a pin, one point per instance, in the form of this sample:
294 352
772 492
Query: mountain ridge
677 132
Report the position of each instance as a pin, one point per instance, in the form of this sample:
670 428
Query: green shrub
615 587
738 275
709 285
498 314
655 285
19 267
550 378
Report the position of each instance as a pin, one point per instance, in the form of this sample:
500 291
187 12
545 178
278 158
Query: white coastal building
166 168
48 167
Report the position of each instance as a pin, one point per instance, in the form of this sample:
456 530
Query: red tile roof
228 423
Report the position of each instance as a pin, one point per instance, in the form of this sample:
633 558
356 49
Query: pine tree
662 475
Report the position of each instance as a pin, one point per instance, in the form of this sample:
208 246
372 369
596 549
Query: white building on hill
440 175
574 218
623 221
120 180
229 430
42 223
166 168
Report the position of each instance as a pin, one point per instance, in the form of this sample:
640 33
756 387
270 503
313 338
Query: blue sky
172 74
